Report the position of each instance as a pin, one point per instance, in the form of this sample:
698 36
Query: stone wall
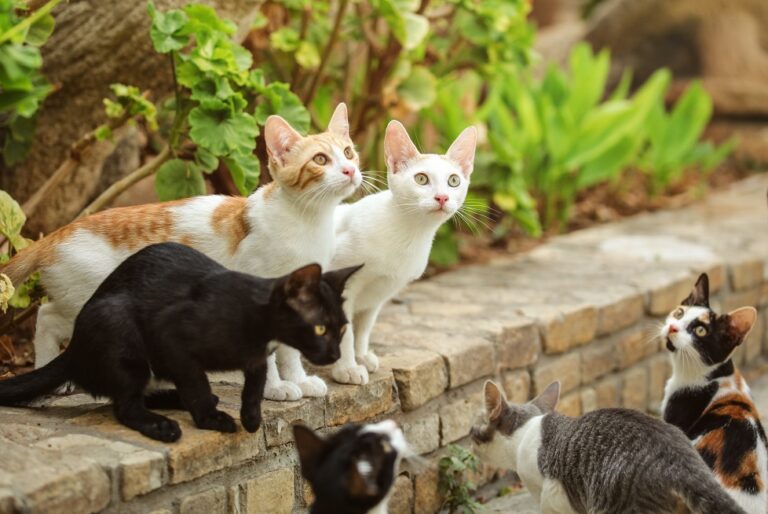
582 309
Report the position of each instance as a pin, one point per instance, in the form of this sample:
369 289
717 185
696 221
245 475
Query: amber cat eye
320 158
700 331
678 313
348 153
320 330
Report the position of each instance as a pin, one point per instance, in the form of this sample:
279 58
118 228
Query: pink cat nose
348 172
441 199
673 329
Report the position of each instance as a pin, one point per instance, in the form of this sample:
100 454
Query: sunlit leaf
178 179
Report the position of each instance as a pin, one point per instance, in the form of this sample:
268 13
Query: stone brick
565 368
518 345
401 501
742 298
352 403
588 400
634 345
659 371
422 431
619 313
271 493
427 497
211 501
598 359
279 416
564 327
607 392
634 392
420 375
517 385
161 511
458 414
746 273
570 404
137 471
665 297
753 344
50 481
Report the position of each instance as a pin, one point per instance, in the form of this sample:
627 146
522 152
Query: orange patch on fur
269 189
724 407
714 443
229 221
299 170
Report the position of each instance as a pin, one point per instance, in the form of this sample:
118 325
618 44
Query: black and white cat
352 471
171 313
606 461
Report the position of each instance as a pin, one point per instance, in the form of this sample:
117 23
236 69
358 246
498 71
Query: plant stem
28 21
179 115
326 52
27 312
113 191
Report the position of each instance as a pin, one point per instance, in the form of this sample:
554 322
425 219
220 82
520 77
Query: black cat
170 312
352 471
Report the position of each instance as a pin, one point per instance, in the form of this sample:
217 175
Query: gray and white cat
607 461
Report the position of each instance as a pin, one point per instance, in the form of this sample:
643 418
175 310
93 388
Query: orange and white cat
278 228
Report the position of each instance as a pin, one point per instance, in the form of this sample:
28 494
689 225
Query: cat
352 471
169 312
609 460
392 232
281 226
708 399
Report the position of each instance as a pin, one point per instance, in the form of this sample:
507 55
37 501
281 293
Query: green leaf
103 132
223 132
285 39
445 252
419 89
41 30
307 55
205 160
416 29
22 296
12 220
6 291
203 19
167 29
278 99
178 179
244 169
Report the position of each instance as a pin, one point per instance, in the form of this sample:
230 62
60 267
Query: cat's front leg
346 370
196 395
276 388
364 322
291 368
253 393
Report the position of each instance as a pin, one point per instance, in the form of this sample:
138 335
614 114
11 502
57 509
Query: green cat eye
348 153
678 313
320 158
700 331
454 180
421 179
320 330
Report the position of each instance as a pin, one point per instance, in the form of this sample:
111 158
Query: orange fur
299 169
229 220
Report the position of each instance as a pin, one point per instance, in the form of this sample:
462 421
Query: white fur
391 233
397 439
287 231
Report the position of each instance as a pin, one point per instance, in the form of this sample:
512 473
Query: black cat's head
308 311
353 470
698 336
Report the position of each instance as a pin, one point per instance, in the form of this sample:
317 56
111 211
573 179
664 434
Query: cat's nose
348 172
673 329
441 199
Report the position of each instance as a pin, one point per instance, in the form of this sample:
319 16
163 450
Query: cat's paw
219 421
370 361
162 429
313 386
65 389
250 420
282 391
346 374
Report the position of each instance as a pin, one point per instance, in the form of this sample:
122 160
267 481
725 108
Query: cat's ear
399 150
494 400
337 279
741 322
547 400
462 151
280 137
339 123
302 283
310 447
700 294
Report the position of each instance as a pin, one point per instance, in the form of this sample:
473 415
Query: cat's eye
320 158
320 330
348 153
700 331
678 313
454 180
421 179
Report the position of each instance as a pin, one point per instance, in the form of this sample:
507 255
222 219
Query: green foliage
12 221
453 482
22 86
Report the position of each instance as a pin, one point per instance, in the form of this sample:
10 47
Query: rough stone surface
272 492
279 416
634 394
349 403
659 370
401 501
517 385
518 345
565 368
212 501
746 273
597 359
634 345
420 375
458 414
422 431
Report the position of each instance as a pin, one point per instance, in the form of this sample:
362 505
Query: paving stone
46 481
420 375
588 399
427 497
517 385
659 371
280 416
136 470
211 501
607 392
352 403
743 298
570 404
746 273
458 414
634 393
563 328
271 493
565 368
468 358
518 345
401 501
422 431
598 359
634 345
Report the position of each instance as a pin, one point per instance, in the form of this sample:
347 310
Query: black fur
685 406
170 311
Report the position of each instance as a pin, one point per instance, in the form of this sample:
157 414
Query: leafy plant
22 86
12 221
453 482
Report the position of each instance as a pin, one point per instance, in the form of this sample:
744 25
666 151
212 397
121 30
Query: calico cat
280 227
352 471
392 232
609 460
708 399
171 313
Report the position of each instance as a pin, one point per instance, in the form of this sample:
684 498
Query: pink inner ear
462 151
743 319
280 137
398 147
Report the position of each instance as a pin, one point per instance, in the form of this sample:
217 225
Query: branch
28 21
113 191
326 52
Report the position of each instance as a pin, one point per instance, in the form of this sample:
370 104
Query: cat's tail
24 263
27 387
704 495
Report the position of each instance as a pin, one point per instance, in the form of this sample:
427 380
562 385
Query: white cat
280 227
392 232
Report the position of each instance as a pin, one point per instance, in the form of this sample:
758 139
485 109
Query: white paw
354 374
282 391
370 361
313 386
65 389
